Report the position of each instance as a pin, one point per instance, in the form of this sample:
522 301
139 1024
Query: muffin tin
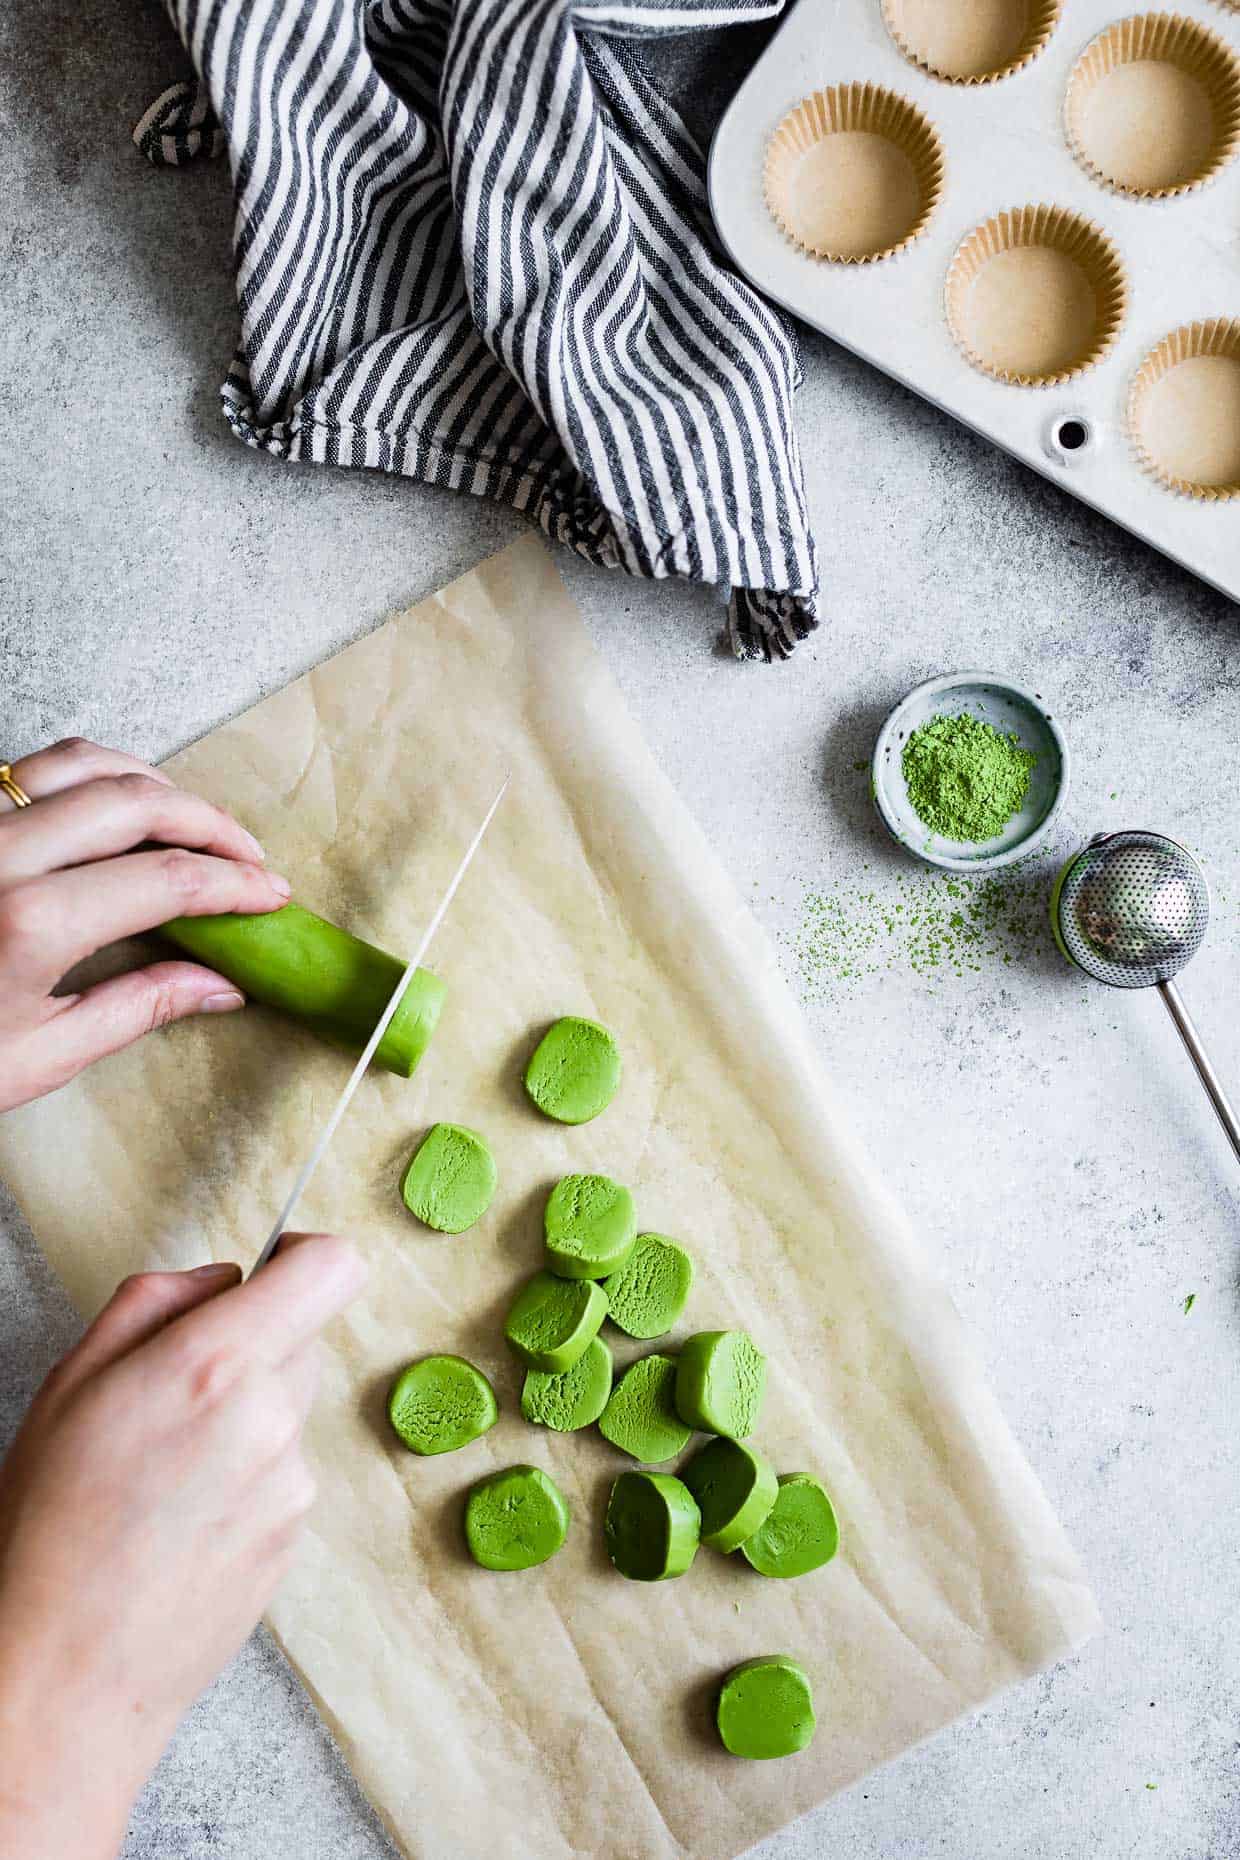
1028 212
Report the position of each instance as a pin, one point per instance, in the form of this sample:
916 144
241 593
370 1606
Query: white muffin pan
1005 147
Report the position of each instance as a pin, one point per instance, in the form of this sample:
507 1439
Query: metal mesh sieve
1132 909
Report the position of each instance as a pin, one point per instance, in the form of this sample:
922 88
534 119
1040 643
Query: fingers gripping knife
1131 910
368 1052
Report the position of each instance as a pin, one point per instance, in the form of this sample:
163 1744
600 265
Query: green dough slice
515 1519
575 1071
648 1294
720 1378
734 1488
574 1399
552 1321
450 1182
590 1226
799 1532
440 1404
641 1416
766 1708
652 1526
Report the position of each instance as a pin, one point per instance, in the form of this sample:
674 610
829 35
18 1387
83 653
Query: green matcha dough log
799 1532
571 1400
734 1488
321 975
766 1708
641 1417
552 1321
648 1294
575 1071
515 1518
651 1527
720 1379
589 1226
440 1404
451 1179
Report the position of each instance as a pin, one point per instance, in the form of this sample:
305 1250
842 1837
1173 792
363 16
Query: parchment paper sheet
562 1711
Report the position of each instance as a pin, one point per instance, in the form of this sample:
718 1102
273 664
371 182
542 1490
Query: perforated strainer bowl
1130 910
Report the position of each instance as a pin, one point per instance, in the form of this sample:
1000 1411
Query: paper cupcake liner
1041 319
1185 427
853 173
1142 131
971 41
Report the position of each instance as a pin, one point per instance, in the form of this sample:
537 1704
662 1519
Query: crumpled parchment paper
562 1711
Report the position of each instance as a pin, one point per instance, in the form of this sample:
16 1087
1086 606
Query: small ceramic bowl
1009 709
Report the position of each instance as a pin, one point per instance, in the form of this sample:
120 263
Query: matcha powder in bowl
970 772
965 780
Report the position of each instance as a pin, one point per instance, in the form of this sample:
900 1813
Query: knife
368 1051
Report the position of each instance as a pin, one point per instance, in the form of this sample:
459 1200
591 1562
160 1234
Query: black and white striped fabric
472 247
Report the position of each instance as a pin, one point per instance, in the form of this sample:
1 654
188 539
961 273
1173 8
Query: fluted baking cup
1035 295
853 173
971 41
1184 409
1153 105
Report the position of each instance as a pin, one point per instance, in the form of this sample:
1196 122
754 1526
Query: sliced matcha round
552 1321
651 1527
641 1417
799 1532
720 1379
574 1399
575 1071
734 1488
515 1519
766 1708
590 1226
648 1293
451 1179
440 1404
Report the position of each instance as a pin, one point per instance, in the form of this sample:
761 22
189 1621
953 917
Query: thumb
138 1310
115 1013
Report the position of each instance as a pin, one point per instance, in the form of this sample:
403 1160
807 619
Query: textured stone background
1050 1139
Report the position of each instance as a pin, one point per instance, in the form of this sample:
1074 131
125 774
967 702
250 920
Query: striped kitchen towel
473 247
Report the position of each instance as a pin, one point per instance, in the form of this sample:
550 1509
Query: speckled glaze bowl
1008 708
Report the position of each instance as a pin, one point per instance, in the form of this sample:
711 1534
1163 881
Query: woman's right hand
77 872
148 1509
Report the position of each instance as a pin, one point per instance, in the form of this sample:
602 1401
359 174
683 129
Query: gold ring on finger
12 787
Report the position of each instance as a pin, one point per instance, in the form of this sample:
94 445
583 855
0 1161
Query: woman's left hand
77 872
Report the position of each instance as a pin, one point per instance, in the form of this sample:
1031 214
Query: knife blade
368 1051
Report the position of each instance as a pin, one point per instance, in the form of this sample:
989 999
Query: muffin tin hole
853 173
970 41
1035 295
1153 105
1067 438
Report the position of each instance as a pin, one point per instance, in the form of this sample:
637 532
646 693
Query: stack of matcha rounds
597 1268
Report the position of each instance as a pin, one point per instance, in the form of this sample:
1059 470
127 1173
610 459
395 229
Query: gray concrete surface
1050 1139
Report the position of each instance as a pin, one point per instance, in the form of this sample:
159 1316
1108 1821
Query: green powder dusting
965 780
930 924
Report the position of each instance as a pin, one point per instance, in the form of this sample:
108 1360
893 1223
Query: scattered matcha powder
965 779
932 923
1189 1302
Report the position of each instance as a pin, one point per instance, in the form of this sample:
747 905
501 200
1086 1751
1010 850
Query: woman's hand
148 1509
71 882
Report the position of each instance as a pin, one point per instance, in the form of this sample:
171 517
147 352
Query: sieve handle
1205 1071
